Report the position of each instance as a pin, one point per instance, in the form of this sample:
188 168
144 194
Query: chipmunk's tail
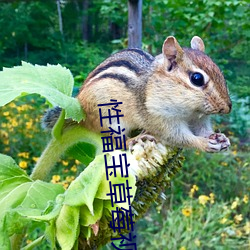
50 117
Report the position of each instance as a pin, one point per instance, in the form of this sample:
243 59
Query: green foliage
19 198
201 223
52 82
207 206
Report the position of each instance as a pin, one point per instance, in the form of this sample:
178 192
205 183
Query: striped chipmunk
169 97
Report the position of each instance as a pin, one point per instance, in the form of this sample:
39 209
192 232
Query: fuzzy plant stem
57 146
52 153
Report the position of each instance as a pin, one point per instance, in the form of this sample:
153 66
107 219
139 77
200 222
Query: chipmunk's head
195 72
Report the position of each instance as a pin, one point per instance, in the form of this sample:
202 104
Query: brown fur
157 94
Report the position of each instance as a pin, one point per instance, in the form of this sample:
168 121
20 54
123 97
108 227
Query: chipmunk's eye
197 79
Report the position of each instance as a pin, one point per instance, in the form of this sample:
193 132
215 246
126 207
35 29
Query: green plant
79 216
199 223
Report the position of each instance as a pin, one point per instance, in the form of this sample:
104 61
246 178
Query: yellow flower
28 241
65 185
203 199
223 235
223 220
238 218
183 248
6 113
247 227
73 168
12 105
55 178
224 164
35 159
197 242
211 195
23 164
4 134
245 199
187 211
235 203
70 178
234 152
238 233
193 190
29 124
24 154
238 159
77 162
14 123
65 163
6 149
6 141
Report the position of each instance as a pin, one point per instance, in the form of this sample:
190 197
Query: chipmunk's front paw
217 142
141 139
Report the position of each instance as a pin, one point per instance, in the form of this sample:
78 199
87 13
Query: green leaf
9 168
67 226
53 82
39 194
6 186
14 223
86 232
86 218
50 234
82 190
20 197
51 215
4 240
83 152
14 198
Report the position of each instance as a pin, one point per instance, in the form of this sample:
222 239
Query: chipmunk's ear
197 43
171 49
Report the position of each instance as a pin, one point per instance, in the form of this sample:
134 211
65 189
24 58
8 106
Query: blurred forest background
208 204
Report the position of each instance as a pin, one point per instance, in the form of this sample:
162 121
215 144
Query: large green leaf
67 226
39 194
83 189
53 82
21 199
6 186
92 183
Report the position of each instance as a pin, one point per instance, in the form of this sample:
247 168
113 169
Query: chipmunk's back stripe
118 77
142 53
118 63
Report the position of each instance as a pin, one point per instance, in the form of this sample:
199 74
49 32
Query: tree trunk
134 23
85 20
59 16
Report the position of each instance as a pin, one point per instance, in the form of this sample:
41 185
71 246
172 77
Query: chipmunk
170 96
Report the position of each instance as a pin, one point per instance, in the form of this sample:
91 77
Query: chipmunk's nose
227 108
